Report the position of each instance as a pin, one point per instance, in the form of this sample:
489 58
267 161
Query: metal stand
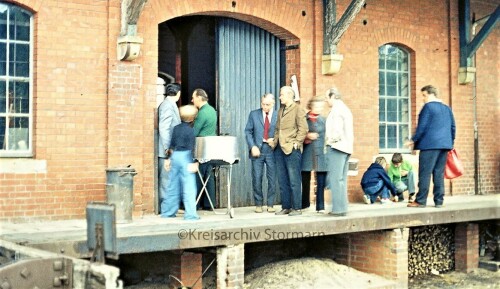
204 189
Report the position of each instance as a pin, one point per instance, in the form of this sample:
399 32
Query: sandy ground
324 273
309 273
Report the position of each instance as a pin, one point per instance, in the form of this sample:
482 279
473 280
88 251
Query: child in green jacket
401 174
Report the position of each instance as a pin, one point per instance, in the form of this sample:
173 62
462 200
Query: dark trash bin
120 192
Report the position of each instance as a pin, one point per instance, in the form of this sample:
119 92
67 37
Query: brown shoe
258 209
270 209
415 205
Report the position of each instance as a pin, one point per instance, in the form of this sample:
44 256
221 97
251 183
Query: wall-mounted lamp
128 47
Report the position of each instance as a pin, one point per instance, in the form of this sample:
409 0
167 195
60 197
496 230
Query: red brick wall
93 112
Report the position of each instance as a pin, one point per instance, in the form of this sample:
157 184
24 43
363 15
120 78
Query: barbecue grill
219 151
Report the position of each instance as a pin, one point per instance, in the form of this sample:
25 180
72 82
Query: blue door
249 64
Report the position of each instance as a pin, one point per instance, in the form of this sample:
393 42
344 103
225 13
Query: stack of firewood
431 249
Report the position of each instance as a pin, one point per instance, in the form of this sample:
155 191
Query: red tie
266 126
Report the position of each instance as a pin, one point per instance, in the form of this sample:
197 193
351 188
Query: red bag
454 167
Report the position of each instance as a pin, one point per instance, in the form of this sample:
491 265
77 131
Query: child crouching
375 182
182 170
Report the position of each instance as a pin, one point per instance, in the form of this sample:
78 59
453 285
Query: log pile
431 249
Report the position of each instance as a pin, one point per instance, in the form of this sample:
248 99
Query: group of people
434 137
178 129
292 145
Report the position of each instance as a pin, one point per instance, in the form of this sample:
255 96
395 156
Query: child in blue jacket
376 182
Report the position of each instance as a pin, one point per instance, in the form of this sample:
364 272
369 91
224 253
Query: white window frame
402 148
29 152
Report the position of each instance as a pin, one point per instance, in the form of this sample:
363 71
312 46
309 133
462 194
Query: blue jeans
336 179
266 157
206 170
288 168
183 183
409 181
163 178
431 163
378 190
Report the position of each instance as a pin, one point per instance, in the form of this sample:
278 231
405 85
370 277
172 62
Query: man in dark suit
260 127
290 132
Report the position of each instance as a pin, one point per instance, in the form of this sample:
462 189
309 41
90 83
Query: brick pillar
384 253
125 124
231 267
188 268
466 247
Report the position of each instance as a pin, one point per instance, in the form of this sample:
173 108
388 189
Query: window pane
19 24
19 59
403 135
3 145
2 97
391 84
381 57
392 110
381 109
19 96
403 110
392 58
403 60
3 59
3 21
392 136
381 83
403 85
381 136
18 133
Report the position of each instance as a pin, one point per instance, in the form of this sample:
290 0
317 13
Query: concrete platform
152 233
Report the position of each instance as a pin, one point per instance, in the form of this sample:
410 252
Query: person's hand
312 135
193 167
166 165
255 152
404 173
409 143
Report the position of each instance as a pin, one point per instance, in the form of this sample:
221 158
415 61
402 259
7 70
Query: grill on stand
219 151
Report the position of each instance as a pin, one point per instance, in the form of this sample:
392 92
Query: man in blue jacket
259 128
434 137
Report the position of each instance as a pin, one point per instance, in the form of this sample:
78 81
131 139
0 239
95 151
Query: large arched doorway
236 63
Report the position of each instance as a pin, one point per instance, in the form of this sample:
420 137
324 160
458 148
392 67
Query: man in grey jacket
168 118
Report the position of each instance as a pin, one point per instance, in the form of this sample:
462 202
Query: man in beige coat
289 135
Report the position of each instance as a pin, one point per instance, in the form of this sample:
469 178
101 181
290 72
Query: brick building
74 109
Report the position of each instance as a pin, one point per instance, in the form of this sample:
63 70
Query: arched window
394 98
15 81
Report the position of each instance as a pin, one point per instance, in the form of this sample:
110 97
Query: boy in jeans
375 182
401 174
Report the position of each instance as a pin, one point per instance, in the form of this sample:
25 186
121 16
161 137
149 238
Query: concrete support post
466 247
231 267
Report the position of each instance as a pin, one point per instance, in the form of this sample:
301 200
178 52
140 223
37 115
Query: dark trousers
266 158
289 179
431 163
320 190
205 171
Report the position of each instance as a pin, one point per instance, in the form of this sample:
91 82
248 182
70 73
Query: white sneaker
367 199
385 201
